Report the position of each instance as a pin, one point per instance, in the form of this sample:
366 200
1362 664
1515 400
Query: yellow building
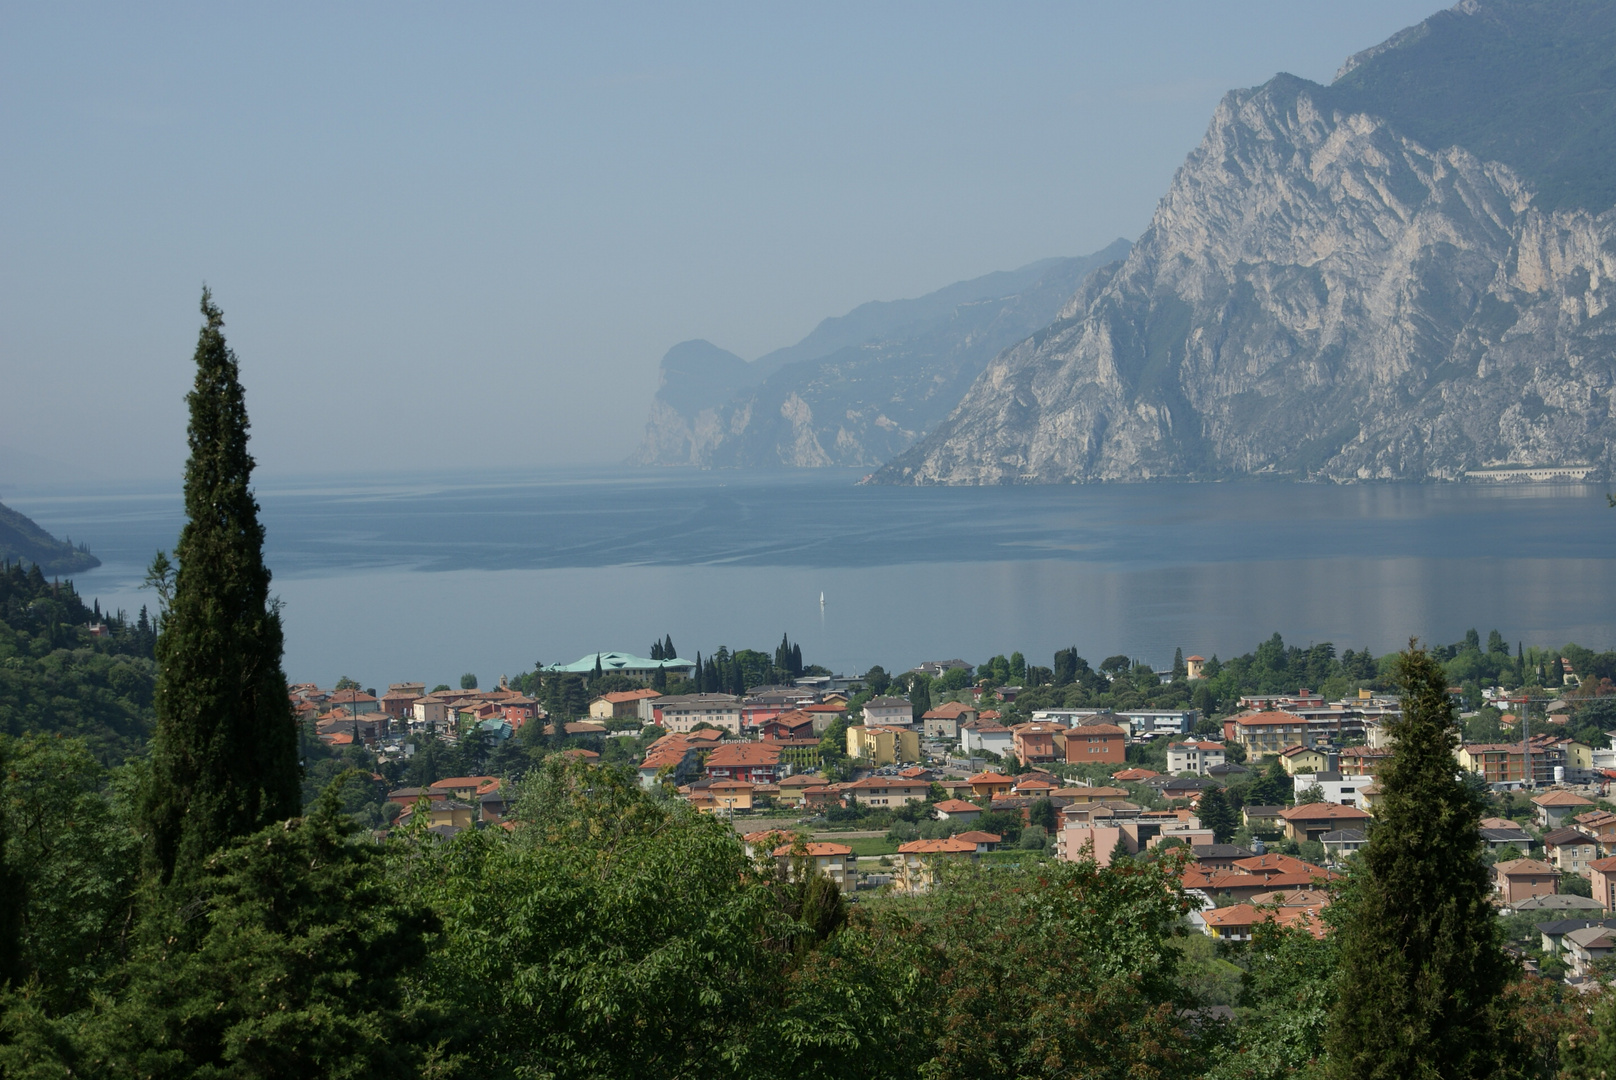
1302 759
729 796
882 745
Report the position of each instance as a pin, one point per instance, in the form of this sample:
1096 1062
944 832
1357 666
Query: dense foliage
56 676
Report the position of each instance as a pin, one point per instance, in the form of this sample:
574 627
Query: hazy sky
462 236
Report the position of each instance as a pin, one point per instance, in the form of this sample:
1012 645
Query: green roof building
635 667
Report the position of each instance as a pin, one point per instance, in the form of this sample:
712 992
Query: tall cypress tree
224 757
1421 964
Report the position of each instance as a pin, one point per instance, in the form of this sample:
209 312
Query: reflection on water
388 580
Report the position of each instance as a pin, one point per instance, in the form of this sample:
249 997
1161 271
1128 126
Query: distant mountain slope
1322 294
21 541
860 387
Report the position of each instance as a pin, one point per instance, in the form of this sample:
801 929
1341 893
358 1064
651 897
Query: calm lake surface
391 578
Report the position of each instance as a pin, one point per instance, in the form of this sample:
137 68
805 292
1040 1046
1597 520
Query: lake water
392 579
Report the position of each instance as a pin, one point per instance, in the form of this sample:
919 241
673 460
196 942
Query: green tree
1418 942
1216 814
1061 971
303 948
920 696
224 758
468 681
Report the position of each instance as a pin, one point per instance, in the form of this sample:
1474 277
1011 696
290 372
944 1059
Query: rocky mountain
23 541
858 389
1407 274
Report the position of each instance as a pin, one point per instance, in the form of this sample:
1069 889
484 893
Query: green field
867 846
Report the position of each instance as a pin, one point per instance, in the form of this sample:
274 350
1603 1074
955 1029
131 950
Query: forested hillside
59 678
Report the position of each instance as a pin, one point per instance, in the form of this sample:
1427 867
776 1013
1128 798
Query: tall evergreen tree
667 648
224 756
1216 814
699 675
1421 964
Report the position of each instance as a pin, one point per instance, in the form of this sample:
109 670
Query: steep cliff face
1318 295
861 387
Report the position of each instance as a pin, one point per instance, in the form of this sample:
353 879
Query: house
1602 876
795 724
682 712
1503 765
429 713
1085 796
1134 776
1195 667
729 796
1219 856
1570 850
1195 756
1263 819
399 697
671 758
882 745
439 813
990 783
1343 841
986 737
1363 760
1555 929
945 720
835 861
888 711
1266 733
886 790
355 701
957 810
984 841
1501 832
917 870
1035 741
1586 946
1312 821
465 787
1303 759
1520 879
1238 922
620 663
588 757
1560 903
1078 841
1336 787
621 705
792 788
938 668
1105 743
756 763
1554 807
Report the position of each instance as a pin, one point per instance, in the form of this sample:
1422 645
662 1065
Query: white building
888 712
1195 756
1338 789
988 736
682 712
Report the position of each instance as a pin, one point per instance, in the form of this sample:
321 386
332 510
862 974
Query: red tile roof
744 755
952 846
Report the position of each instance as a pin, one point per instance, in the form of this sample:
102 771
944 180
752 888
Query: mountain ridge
1321 296
858 388
21 540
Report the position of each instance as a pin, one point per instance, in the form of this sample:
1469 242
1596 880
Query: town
1262 808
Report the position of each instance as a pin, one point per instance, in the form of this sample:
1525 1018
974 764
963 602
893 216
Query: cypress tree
667 648
1421 966
224 756
1216 814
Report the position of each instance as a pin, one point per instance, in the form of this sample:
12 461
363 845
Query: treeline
1277 668
56 677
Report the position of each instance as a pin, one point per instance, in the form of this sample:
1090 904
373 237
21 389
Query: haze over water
389 579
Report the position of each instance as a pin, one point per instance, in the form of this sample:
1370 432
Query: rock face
1319 295
861 387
